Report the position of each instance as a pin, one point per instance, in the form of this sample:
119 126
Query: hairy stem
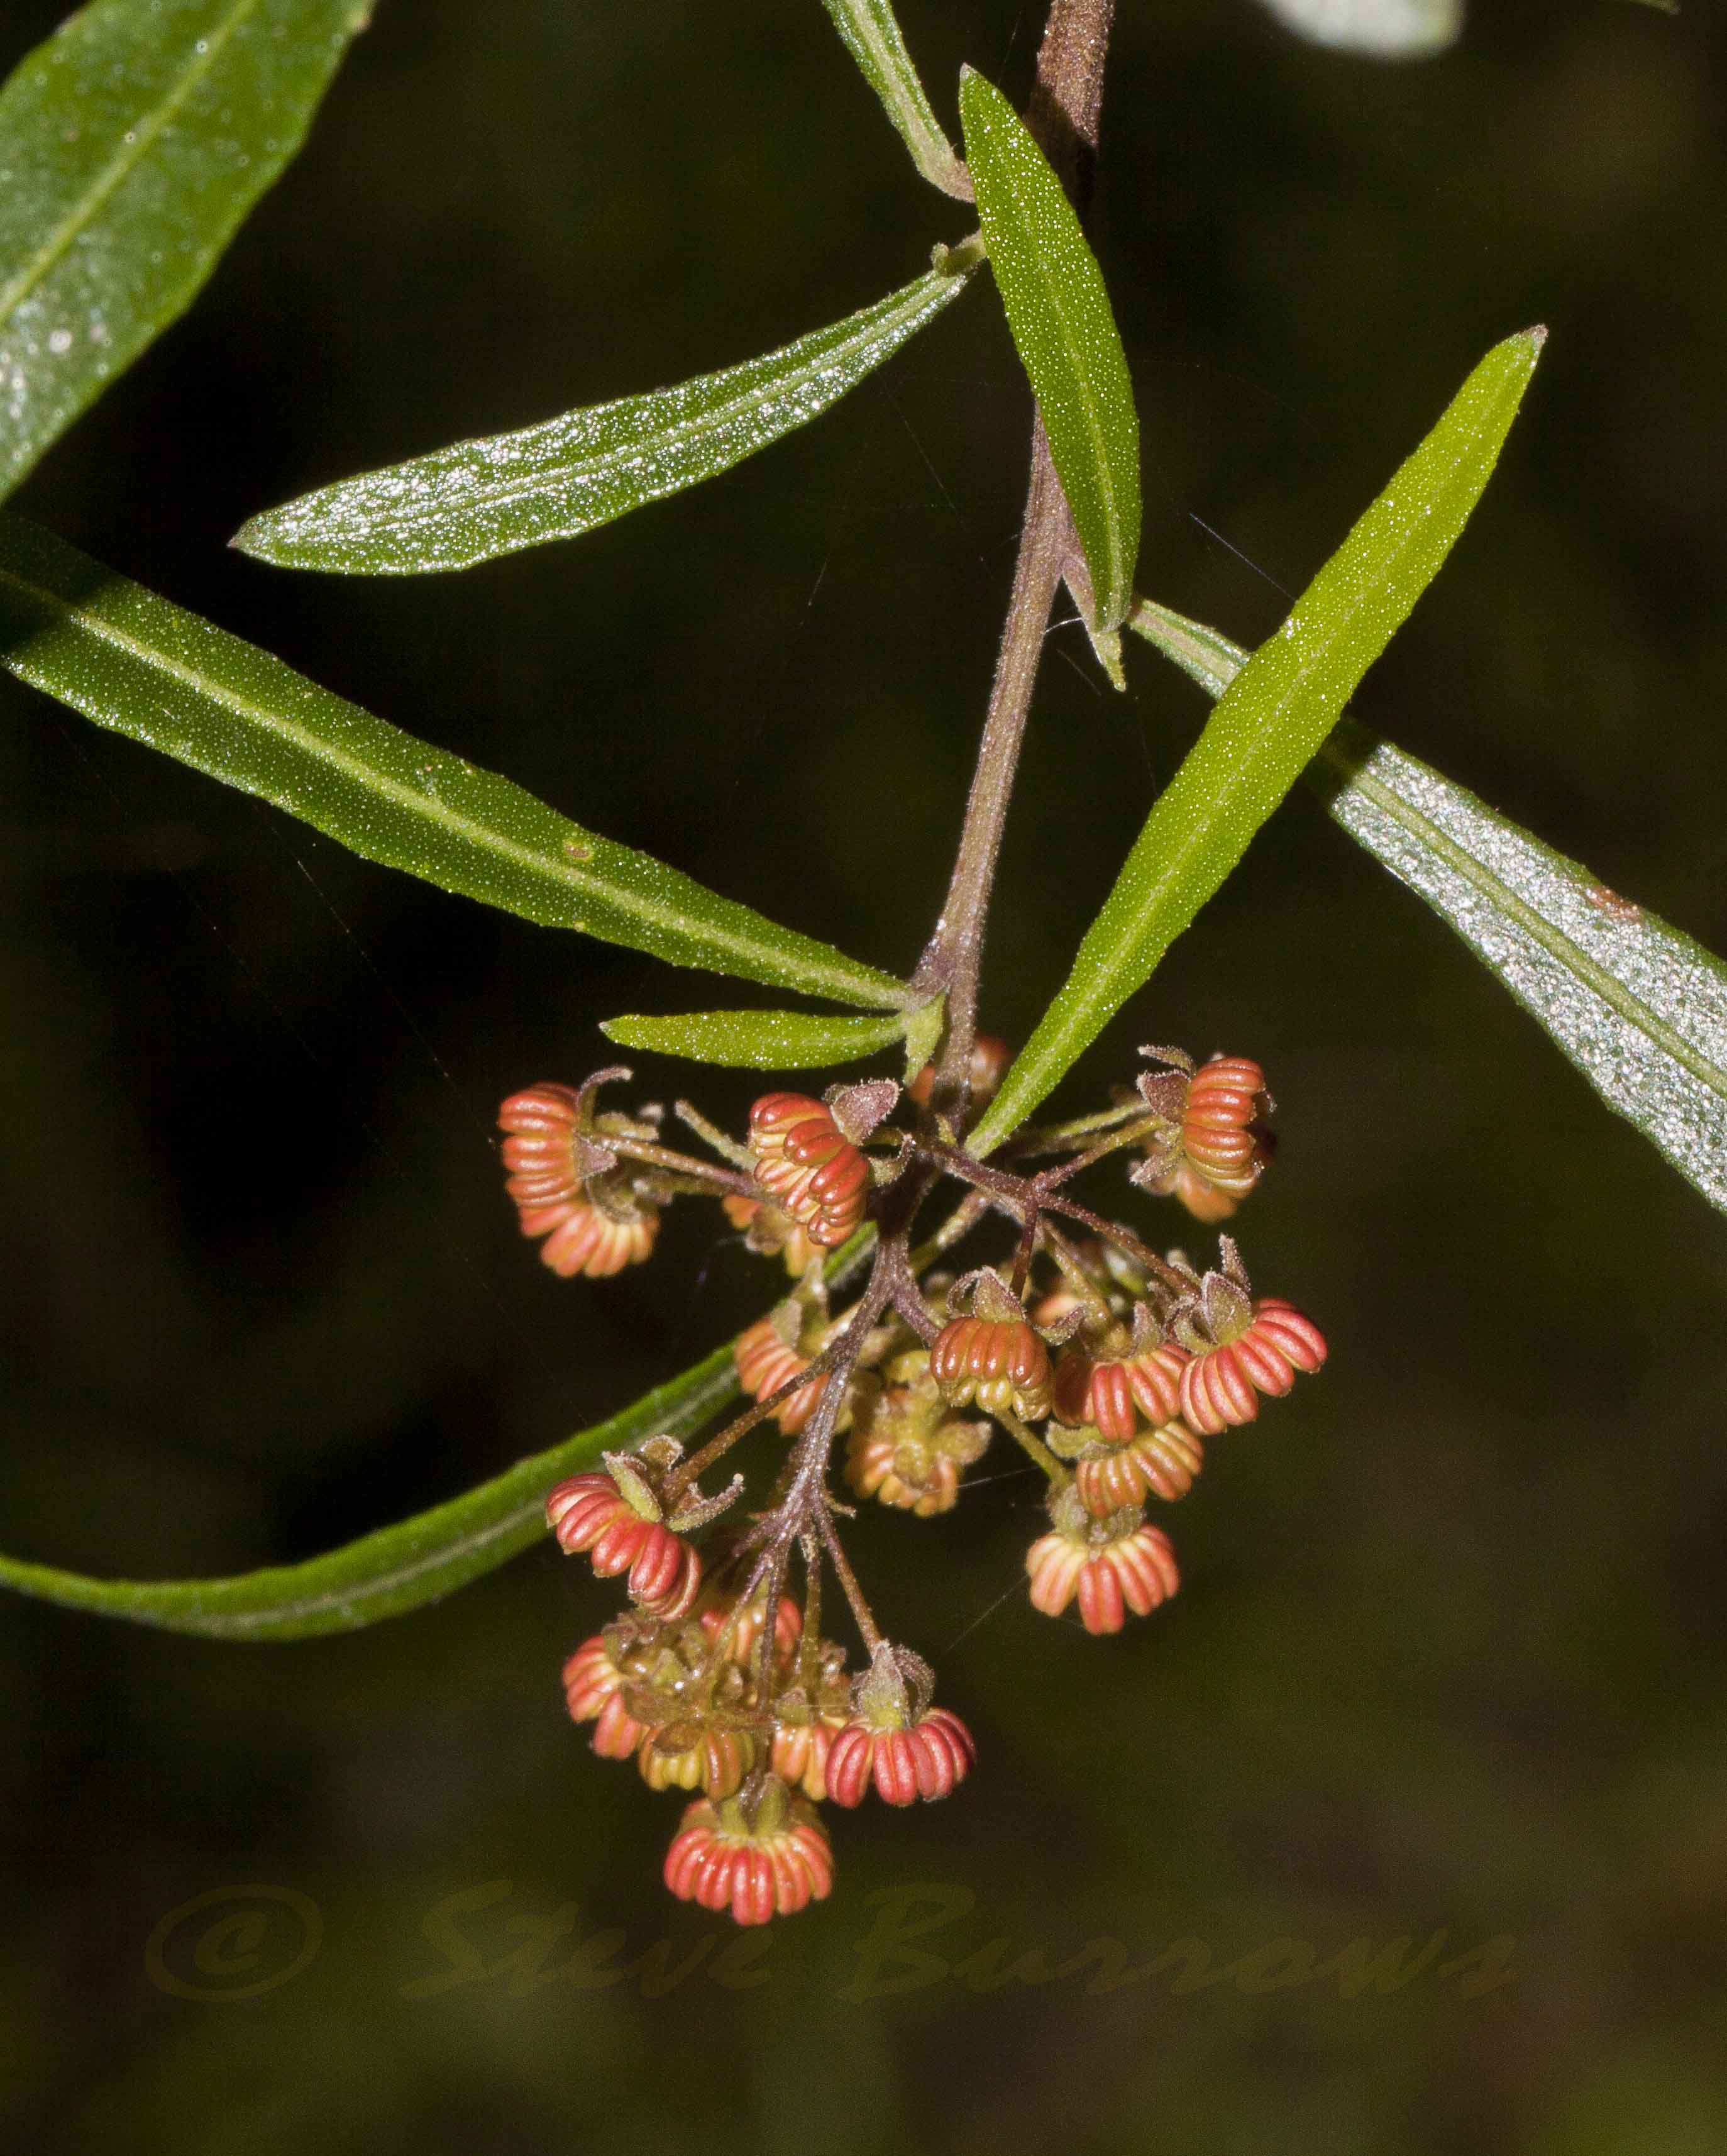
955 955
1063 115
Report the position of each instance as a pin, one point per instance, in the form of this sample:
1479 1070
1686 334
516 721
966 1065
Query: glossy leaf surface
132 144
873 39
398 1568
1639 1008
133 662
503 492
757 1040
1065 333
1269 721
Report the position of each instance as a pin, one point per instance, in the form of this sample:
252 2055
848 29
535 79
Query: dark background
1448 1656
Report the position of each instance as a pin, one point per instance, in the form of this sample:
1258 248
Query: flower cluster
1109 1364
759 1722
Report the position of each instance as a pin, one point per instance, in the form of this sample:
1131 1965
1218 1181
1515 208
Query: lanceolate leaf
129 660
1059 314
758 1040
1269 721
1389 29
873 38
503 492
398 1568
132 145
1639 1008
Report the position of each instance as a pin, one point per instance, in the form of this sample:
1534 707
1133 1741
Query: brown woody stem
1063 116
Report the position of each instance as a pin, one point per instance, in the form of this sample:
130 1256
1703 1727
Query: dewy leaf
132 662
1269 721
873 37
1639 1008
758 1040
132 145
503 492
1389 29
398 1568
1059 314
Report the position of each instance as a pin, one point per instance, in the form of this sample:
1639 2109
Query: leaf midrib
1546 934
121 165
429 807
1093 411
715 419
1534 924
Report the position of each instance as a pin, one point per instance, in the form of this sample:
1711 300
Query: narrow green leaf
873 37
496 496
132 662
757 1040
1059 314
1639 1008
1269 721
132 145
398 1568
1388 29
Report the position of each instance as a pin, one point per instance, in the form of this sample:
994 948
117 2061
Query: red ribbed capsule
1160 1463
1000 1362
617 1735
807 1165
686 1756
589 1512
765 1363
1221 1386
552 1198
1112 1566
773 1865
591 1677
800 1754
1222 1131
928 1758
1115 1395
788 1629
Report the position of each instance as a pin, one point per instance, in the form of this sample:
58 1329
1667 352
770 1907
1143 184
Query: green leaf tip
1270 720
1065 331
